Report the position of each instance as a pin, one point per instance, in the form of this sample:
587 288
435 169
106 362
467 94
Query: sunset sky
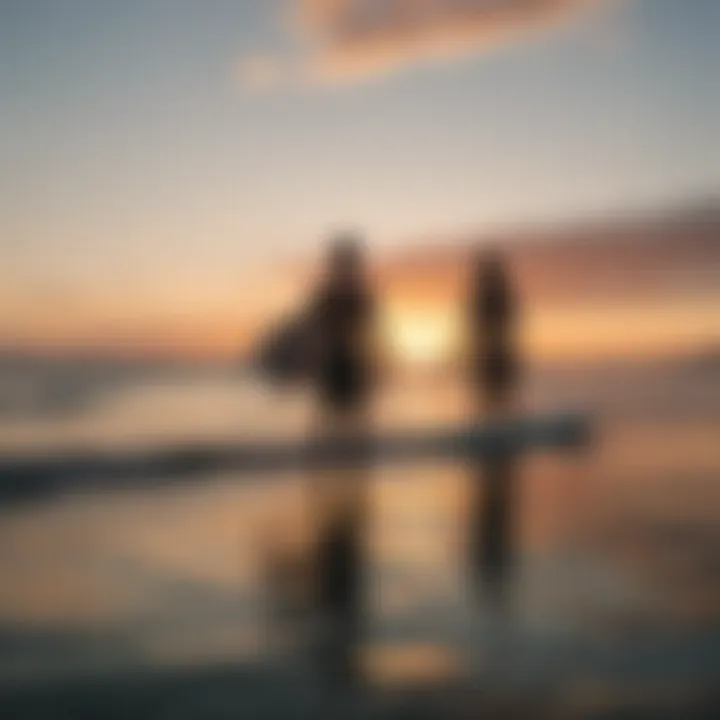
158 156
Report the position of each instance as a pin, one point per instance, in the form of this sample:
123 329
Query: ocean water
614 602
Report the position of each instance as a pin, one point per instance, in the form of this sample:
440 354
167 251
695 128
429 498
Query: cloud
352 39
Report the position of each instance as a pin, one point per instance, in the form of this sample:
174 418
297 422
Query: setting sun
420 336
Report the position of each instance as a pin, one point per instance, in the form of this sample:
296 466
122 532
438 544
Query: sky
155 154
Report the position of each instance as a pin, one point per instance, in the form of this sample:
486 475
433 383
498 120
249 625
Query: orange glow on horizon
411 333
420 323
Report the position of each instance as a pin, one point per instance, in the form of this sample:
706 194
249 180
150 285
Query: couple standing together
330 345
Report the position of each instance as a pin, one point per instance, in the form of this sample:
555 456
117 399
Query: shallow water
614 602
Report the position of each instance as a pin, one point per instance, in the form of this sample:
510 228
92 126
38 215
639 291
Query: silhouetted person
494 376
341 317
327 346
341 314
492 325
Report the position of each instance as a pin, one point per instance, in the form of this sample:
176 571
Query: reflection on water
616 593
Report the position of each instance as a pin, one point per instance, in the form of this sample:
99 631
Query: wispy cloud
353 39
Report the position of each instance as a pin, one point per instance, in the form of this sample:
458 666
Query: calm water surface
615 600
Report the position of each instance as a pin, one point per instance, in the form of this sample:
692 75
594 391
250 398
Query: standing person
341 316
327 346
494 379
341 319
493 316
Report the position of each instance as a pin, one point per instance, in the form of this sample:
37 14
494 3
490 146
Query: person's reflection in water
494 379
341 318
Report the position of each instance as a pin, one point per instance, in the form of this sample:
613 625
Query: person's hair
490 269
345 255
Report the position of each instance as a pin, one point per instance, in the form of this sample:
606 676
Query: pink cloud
358 38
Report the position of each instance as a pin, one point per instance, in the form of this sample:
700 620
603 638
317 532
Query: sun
419 337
